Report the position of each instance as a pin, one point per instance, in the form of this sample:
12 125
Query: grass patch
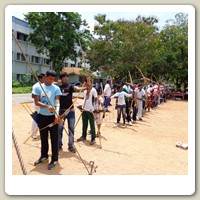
21 90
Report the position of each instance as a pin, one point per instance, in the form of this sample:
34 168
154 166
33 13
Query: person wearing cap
34 126
139 95
65 103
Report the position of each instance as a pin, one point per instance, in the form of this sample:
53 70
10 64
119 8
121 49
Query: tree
57 34
172 59
122 45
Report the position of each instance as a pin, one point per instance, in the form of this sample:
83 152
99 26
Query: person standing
126 88
66 103
139 95
34 126
47 116
98 113
121 106
90 95
107 94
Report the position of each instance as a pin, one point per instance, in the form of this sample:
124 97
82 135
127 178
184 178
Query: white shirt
87 103
139 94
121 95
37 108
107 90
128 88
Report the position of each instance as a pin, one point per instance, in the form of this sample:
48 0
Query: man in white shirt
139 95
107 94
87 114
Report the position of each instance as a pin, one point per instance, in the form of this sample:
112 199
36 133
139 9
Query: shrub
16 83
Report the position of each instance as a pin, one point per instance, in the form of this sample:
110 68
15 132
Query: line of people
59 102
60 95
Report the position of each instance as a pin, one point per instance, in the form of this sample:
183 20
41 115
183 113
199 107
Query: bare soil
146 148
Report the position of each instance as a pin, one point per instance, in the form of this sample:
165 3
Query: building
40 62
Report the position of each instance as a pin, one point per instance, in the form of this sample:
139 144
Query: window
22 36
19 77
20 57
72 65
46 61
35 59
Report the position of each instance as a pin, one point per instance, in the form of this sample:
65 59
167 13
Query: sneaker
41 160
123 126
81 139
130 123
72 149
52 164
92 142
116 124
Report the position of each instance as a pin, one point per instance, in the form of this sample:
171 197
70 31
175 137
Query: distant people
126 88
47 116
121 105
107 94
34 127
139 95
97 87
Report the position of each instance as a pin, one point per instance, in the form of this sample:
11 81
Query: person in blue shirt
47 116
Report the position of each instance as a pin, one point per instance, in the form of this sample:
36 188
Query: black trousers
42 122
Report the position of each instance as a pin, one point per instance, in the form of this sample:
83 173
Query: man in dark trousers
47 116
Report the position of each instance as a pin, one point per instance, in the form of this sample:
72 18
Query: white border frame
99 185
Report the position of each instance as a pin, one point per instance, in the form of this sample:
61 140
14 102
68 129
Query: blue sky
89 16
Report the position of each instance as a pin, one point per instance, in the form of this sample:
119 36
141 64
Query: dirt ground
146 148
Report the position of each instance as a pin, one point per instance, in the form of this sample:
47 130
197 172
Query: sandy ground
146 148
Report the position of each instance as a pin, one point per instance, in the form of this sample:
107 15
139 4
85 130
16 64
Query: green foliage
172 59
122 45
56 34
16 83
21 90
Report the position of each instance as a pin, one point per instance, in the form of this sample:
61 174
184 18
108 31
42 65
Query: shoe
130 123
41 160
52 164
116 124
72 149
92 142
81 139
140 119
123 126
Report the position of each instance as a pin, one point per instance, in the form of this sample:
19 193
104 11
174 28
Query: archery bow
56 120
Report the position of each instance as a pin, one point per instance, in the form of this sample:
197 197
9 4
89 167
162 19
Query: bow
134 99
58 120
